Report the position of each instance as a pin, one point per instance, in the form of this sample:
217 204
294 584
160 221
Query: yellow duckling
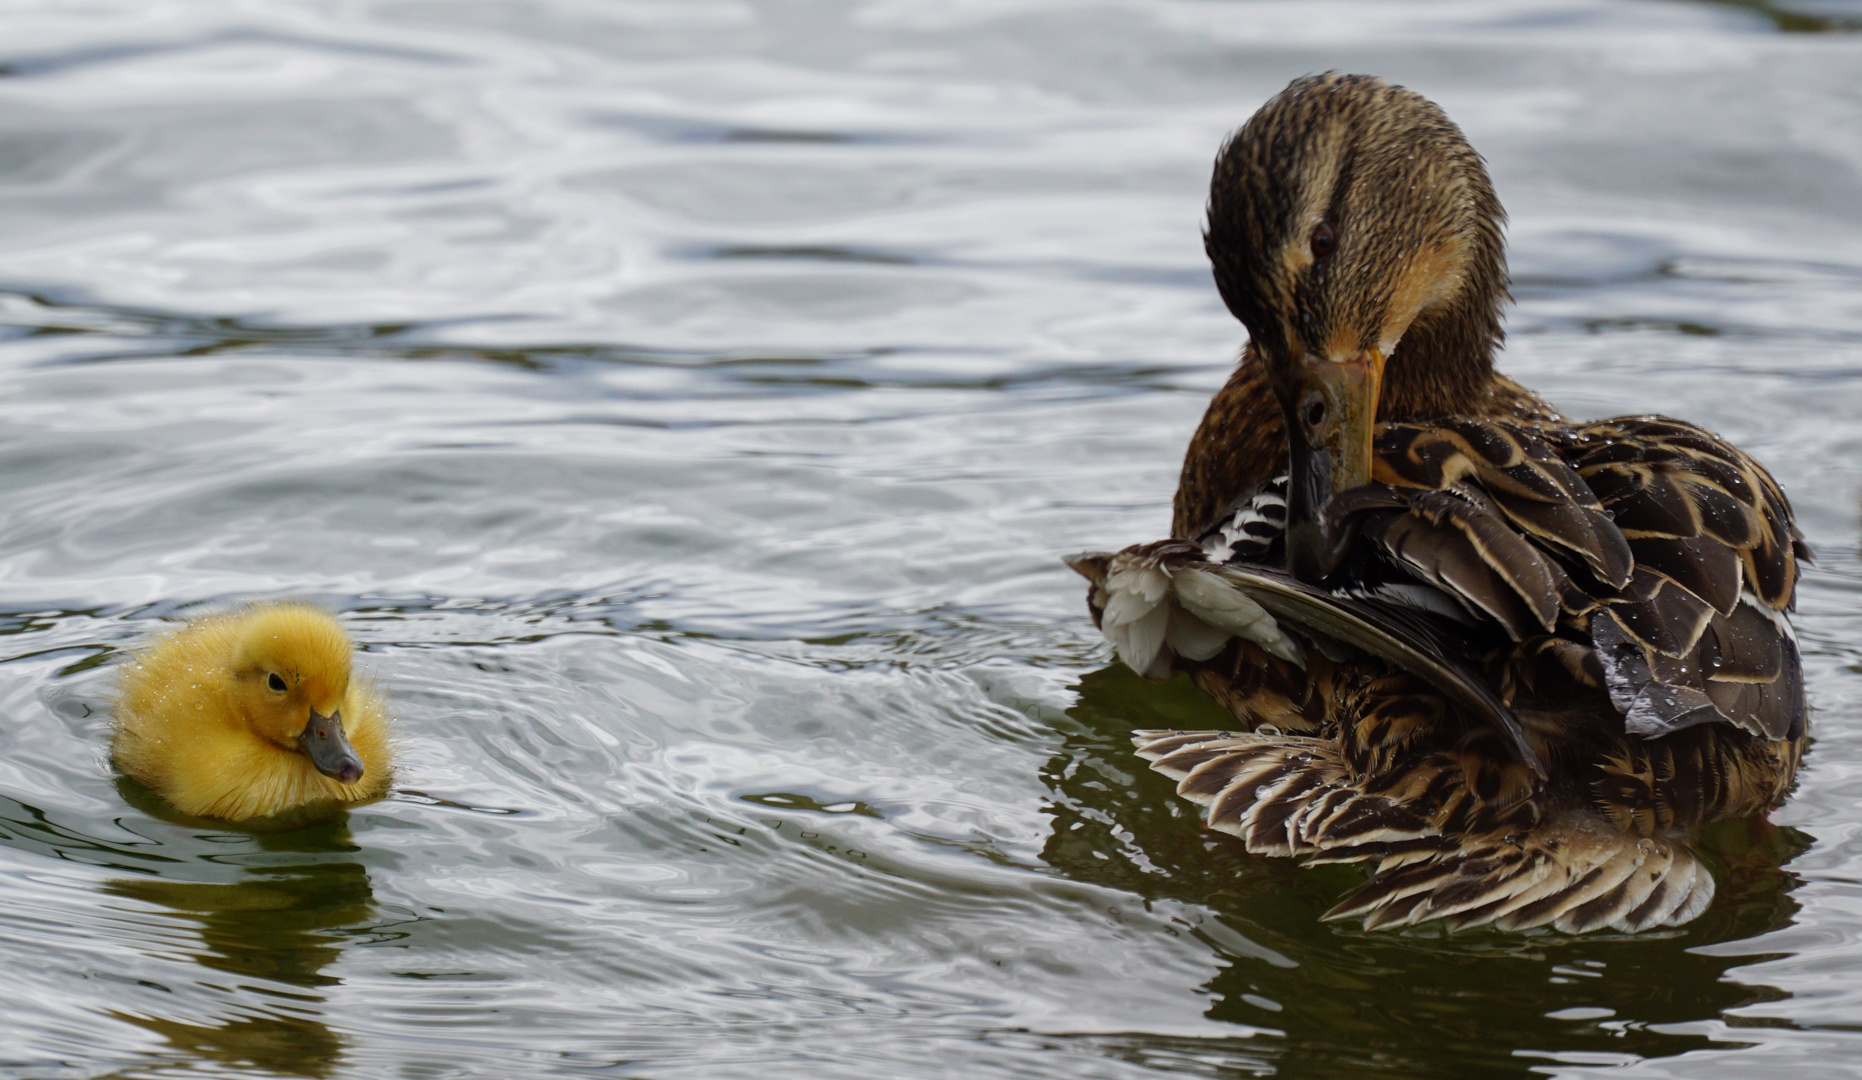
252 714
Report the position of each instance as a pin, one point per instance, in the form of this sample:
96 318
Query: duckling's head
290 678
1356 234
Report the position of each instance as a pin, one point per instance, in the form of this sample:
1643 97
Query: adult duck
1506 660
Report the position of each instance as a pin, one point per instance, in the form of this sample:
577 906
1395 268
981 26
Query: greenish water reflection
1393 1003
270 914
1805 16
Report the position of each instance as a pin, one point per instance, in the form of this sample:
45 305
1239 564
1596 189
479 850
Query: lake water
686 404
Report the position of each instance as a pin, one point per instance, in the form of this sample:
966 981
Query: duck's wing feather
1658 559
1416 641
1160 601
1702 632
1492 514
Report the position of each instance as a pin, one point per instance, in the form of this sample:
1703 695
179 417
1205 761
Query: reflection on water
271 910
1806 16
269 928
684 406
272 924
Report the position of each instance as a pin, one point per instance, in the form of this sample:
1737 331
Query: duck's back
1639 556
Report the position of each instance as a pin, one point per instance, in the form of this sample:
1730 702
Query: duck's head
290 679
1356 234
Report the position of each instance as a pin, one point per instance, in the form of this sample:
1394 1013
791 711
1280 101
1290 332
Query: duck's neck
1240 444
1443 367
1444 364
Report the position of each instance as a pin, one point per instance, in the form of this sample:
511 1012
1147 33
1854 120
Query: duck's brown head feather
1355 233
1349 214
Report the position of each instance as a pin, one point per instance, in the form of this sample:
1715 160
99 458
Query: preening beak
1331 407
329 750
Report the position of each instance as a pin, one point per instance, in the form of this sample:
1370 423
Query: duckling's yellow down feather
214 716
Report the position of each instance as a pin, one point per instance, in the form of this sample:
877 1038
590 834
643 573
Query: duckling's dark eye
275 681
1323 241
1315 412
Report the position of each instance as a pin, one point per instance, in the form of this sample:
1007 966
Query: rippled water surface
685 405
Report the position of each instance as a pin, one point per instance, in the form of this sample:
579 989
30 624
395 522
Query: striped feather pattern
1293 795
1248 533
1571 875
1283 795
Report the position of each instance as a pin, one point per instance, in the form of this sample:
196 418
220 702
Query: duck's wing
1414 640
1644 555
1163 601
1703 630
1666 585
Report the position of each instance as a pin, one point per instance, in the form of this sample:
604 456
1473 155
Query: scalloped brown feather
1682 495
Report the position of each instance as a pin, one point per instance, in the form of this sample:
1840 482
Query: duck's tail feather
1572 875
1291 795
1287 795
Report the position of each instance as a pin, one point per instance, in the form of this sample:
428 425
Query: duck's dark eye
1315 412
275 681
1323 241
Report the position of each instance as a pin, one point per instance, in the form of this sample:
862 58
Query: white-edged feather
1152 615
1250 531
1779 619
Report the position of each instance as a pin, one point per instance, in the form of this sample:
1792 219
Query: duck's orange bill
1331 412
